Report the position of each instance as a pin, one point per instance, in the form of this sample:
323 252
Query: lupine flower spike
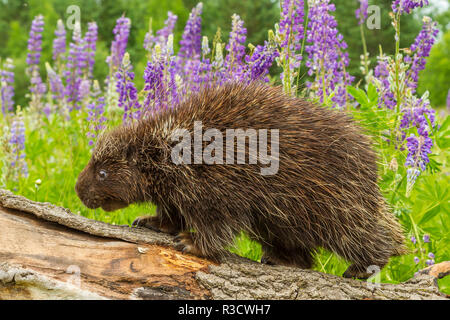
7 86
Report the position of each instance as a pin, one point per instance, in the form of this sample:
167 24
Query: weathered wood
62 216
106 266
47 252
244 280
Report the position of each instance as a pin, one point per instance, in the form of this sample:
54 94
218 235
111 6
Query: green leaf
359 95
443 142
445 125
372 93
430 214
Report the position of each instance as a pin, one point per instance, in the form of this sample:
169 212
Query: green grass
57 150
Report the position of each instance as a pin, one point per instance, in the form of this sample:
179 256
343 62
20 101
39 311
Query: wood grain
109 267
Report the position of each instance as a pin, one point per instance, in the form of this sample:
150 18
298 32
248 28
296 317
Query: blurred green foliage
436 76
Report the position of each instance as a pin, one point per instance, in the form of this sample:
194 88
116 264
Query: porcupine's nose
82 188
78 184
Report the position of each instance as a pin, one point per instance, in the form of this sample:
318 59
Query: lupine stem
303 45
397 66
363 38
416 234
287 88
396 188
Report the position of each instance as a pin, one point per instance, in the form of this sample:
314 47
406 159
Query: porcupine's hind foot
300 258
366 261
353 271
364 272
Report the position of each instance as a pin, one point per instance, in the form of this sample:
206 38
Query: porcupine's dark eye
102 174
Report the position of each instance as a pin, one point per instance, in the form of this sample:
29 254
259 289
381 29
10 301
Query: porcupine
324 193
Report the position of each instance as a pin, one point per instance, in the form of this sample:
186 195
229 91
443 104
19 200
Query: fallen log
47 252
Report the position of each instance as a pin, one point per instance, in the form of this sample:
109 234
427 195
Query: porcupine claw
185 243
154 223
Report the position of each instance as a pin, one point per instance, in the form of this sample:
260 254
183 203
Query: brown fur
325 193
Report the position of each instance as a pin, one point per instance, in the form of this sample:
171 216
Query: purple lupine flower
163 34
96 110
119 45
35 42
361 12
38 88
77 58
291 23
149 37
84 90
193 70
77 62
56 84
194 74
411 177
326 58
421 48
154 86
47 109
190 44
198 71
416 114
419 148
429 262
162 78
426 238
413 239
260 61
290 35
33 59
173 86
431 255
17 141
91 45
381 74
416 260
206 73
406 6
128 95
59 43
7 86
236 48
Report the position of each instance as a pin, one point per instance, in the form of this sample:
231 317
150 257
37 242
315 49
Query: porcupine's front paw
265 259
185 243
155 223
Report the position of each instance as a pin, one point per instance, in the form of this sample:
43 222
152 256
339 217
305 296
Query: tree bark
47 252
